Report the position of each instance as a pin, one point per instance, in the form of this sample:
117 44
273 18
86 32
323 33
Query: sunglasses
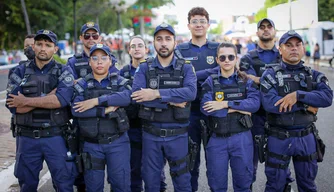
222 58
96 58
87 36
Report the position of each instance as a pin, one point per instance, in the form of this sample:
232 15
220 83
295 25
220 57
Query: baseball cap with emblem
46 33
265 19
102 47
90 25
288 35
164 26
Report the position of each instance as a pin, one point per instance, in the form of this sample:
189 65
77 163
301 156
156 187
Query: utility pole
290 17
75 37
141 22
26 17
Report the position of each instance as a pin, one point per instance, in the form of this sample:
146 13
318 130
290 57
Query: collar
156 63
300 65
206 43
47 66
234 75
274 49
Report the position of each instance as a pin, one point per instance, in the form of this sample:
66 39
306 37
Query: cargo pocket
19 167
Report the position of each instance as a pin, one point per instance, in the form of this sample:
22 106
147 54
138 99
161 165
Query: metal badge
99 45
292 32
46 32
210 60
219 96
153 83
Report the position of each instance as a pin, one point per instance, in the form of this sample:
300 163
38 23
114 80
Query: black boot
81 188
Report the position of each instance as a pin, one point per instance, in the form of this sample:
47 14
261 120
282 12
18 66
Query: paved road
324 179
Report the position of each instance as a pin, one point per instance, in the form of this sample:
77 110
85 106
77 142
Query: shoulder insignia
143 61
187 62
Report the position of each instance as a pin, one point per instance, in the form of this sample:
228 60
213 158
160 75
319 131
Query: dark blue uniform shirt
322 96
121 98
187 93
64 91
266 56
250 104
71 62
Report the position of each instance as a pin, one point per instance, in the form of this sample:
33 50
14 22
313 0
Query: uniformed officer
90 36
137 51
254 64
98 105
201 53
164 87
291 94
39 92
228 101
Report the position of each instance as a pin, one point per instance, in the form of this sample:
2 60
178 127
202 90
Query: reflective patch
153 83
271 79
219 96
234 95
171 82
10 87
78 88
63 75
191 58
265 84
210 60
15 78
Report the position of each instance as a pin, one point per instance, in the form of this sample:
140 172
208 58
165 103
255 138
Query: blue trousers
154 154
236 150
117 156
195 135
135 135
30 155
306 171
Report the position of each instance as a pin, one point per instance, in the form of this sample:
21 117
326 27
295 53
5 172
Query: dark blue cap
46 33
288 35
102 47
265 19
164 26
90 25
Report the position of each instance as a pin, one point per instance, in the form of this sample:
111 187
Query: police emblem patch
46 32
164 25
83 72
219 96
99 45
210 60
90 24
153 83
68 79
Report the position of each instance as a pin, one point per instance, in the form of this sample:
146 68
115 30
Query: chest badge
153 83
210 59
219 96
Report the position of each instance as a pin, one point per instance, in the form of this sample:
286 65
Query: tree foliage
325 9
57 15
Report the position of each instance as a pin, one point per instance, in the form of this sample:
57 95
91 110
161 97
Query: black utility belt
39 133
284 134
225 135
164 132
103 140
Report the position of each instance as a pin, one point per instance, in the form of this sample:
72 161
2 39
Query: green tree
218 30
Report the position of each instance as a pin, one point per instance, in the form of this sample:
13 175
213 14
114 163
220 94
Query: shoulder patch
187 62
78 88
142 61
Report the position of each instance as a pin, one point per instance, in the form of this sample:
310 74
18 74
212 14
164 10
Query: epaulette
183 46
212 45
78 55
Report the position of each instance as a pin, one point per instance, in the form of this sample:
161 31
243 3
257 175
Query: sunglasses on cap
87 36
222 58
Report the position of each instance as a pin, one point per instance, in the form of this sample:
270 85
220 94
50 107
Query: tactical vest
287 82
259 66
159 79
231 123
81 65
133 109
114 122
38 85
204 59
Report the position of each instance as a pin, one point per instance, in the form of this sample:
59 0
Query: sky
215 8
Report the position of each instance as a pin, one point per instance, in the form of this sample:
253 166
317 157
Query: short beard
165 55
43 59
265 40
